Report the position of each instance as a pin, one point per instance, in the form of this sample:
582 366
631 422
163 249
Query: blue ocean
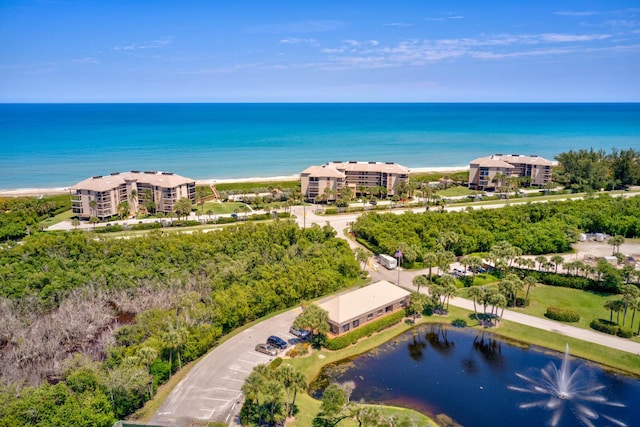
57 145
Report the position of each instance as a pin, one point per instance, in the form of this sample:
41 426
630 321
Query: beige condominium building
353 309
136 188
337 175
483 170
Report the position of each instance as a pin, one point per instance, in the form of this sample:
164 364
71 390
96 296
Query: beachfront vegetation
22 216
589 170
533 228
61 294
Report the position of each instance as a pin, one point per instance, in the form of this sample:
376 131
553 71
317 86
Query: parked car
267 349
277 342
300 333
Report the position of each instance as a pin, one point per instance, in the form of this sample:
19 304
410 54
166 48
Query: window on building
345 328
370 316
389 308
356 323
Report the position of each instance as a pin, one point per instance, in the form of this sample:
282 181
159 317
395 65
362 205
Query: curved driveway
212 389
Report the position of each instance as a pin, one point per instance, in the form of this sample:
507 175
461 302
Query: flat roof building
353 309
336 175
483 170
102 196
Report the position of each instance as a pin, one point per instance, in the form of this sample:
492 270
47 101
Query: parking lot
212 389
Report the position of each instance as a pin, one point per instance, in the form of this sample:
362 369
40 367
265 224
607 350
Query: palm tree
610 305
476 294
430 259
529 282
541 260
630 294
292 380
94 220
448 288
93 204
616 241
362 256
557 260
253 387
420 280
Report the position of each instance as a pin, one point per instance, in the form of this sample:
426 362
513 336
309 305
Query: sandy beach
23 192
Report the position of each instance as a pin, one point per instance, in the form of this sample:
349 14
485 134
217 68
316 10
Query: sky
319 51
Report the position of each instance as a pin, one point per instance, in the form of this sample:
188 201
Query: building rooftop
352 305
108 182
324 171
491 162
511 159
337 169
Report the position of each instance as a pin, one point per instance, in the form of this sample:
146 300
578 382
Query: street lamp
398 256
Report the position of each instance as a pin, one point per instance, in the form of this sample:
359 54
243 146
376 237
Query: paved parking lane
212 389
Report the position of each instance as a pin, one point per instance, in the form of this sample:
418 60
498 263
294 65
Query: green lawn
457 190
251 187
220 208
589 305
63 216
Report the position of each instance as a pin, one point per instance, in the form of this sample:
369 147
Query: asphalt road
212 389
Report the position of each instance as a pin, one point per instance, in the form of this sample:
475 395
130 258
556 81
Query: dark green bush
185 223
562 314
146 226
331 211
108 229
459 323
605 326
624 332
352 337
223 220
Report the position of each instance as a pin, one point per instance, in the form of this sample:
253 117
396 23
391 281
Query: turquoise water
57 145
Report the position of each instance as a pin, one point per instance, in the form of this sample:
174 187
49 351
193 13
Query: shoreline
30 192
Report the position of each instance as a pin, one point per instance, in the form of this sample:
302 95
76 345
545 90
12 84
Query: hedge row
611 328
574 282
562 314
352 337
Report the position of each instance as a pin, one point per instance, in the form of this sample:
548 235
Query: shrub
352 337
276 363
146 226
331 211
223 220
605 326
562 314
624 332
185 223
459 323
109 229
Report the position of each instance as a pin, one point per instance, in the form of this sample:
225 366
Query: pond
478 379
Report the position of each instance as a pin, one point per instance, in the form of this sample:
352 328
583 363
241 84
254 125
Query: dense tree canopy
61 292
593 170
534 228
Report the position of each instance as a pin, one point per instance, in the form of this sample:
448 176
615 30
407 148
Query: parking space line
238 370
232 379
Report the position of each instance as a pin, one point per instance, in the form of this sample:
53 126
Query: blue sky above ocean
329 51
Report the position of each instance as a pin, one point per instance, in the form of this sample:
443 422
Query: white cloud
153 44
416 52
293 40
397 24
576 13
563 38
85 60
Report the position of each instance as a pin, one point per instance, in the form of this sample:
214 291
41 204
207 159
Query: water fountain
566 389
